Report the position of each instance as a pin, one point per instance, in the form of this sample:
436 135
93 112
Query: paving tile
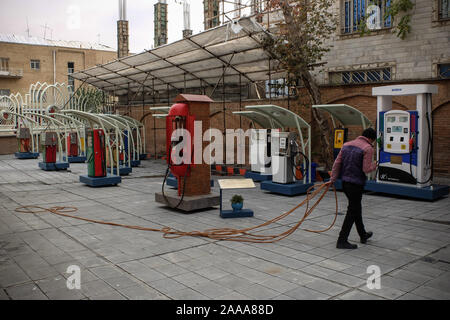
52 283
28 291
187 294
210 289
326 287
65 294
303 293
279 284
397 283
113 295
138 292
411 296
359 295
96 288
432 293
258 292
410 276
385 291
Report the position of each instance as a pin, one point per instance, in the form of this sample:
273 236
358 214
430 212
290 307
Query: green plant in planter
237 202
237 199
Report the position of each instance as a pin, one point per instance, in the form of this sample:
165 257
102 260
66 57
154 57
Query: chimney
160 20
187 32
122 30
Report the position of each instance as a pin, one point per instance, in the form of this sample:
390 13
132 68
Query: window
355 11
360 76
35 64
444 9
444 71
5 92
71 80
4 64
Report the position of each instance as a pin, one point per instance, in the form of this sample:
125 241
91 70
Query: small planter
237 202
237 206
230 171
242 172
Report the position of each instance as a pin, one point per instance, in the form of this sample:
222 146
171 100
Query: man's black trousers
354 210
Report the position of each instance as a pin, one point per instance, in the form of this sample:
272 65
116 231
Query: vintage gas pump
340 137
24 136
96 154
49 141
260 151
72 142
180 132
187 122
286 150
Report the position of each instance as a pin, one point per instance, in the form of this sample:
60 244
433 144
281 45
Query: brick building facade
25 61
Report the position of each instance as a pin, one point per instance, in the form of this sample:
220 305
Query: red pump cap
179 109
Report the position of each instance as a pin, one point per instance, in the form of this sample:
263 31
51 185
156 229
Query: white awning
195 62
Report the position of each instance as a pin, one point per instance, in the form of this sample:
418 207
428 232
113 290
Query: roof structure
12 38
281 116
346 114
261 119
231 53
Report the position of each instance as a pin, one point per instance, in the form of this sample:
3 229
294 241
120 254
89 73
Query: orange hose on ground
242 235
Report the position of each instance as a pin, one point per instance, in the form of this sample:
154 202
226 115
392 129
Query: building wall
414 58
20 55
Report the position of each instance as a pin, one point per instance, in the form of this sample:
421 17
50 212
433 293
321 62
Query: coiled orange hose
228 234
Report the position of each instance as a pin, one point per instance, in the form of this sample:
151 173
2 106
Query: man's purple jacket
354 161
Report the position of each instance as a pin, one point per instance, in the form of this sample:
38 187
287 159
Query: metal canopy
347 115
197 61
163 110
283 117
261 119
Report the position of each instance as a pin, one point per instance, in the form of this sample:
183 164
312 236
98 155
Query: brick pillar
198 182
122 38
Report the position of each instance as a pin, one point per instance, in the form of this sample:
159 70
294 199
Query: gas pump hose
227 234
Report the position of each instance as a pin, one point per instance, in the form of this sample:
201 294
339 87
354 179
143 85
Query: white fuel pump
405 143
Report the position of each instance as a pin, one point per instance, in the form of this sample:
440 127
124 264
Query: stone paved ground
116 263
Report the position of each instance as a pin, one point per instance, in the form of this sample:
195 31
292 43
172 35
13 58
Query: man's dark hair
370 133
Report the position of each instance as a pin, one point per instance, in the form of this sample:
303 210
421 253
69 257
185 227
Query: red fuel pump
96 154
49 140
24 136
72 142
179 118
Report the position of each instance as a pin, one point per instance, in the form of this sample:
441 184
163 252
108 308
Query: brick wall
358 96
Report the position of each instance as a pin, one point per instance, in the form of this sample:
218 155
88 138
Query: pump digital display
403 119
397 129
391 119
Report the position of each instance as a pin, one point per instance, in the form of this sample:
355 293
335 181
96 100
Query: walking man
351 165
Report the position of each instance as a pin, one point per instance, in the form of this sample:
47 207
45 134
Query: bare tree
299 44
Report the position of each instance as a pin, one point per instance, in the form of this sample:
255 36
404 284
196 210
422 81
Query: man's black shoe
346 245
366 236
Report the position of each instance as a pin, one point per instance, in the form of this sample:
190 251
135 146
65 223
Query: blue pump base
135 163
26 155
109 180
243 213
257 177
56 166
77 159
123 171
432 193
290 189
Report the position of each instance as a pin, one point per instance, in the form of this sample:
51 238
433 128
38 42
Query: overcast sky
91 20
